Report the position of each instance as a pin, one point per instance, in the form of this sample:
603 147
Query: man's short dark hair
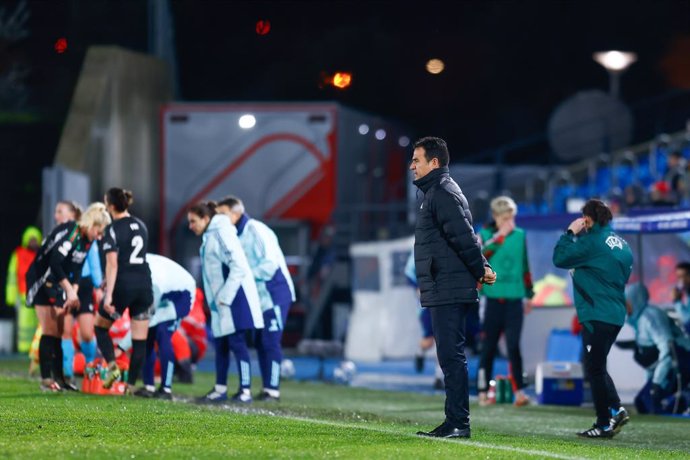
434 147
683 266
597 211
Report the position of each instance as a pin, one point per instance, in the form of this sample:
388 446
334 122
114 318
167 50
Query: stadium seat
603 182
625 175
526 209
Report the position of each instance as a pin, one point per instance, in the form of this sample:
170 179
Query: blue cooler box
559 382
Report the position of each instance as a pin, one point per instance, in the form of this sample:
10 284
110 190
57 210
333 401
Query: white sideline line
468 442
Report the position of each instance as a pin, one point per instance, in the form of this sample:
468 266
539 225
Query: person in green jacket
15 290
505 247
600 264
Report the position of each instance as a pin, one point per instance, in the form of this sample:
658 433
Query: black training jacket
447 255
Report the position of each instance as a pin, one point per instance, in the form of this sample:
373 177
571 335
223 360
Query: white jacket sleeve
264 265
227 247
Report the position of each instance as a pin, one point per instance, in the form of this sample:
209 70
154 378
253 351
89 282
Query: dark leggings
597 339
501 316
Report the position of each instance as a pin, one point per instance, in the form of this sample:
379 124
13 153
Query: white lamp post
615 63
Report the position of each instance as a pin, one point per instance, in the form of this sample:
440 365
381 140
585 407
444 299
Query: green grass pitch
312 421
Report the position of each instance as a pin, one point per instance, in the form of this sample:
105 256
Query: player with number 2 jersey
128 284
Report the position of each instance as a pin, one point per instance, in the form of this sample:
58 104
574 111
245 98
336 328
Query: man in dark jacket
449 264
600 264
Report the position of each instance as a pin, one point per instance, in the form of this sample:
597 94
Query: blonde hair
503 204
95 214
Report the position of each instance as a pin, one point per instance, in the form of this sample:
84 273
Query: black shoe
604 432
162 394
143 393
266 397
419 363
618 419
241 398
445 430
68 385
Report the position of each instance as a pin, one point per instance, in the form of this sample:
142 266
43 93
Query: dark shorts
49 294
85 297
139 301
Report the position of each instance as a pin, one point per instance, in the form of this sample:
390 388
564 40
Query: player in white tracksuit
274 283
173 295
231 295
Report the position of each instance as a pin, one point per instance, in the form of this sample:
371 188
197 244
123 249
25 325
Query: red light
342 79
263 27
61 45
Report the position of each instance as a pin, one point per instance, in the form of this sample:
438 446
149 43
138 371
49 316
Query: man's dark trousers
597 339
449 332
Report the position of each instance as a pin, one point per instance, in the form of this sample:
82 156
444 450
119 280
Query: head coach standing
449 263
600 263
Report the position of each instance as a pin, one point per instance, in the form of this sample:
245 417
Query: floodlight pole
615 63
614 83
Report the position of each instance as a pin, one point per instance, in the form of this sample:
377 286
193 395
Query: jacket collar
431 179
241 223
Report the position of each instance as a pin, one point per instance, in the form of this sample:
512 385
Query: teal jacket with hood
600 263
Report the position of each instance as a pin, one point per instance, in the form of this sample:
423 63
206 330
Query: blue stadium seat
583 191
661 164
526 209
603 181
560 197
644 174
625 175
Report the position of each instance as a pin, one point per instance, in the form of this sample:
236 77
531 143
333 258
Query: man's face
683 277
223 209
419 166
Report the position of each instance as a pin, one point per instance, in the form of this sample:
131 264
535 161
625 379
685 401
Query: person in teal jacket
600 263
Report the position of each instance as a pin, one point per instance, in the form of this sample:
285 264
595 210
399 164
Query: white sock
272 392
246 391
166 390
221 388
150 388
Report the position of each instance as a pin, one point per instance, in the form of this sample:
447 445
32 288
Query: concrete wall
112 129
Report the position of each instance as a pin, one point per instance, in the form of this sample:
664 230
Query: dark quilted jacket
448 258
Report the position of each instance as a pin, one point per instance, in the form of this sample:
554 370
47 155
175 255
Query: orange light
342 79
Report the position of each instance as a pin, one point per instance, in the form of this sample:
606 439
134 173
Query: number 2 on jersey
138 245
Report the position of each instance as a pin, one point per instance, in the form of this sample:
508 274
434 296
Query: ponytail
120 198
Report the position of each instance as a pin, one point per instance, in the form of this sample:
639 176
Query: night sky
508 63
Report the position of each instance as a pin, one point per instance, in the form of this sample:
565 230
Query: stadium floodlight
615 62
247 121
